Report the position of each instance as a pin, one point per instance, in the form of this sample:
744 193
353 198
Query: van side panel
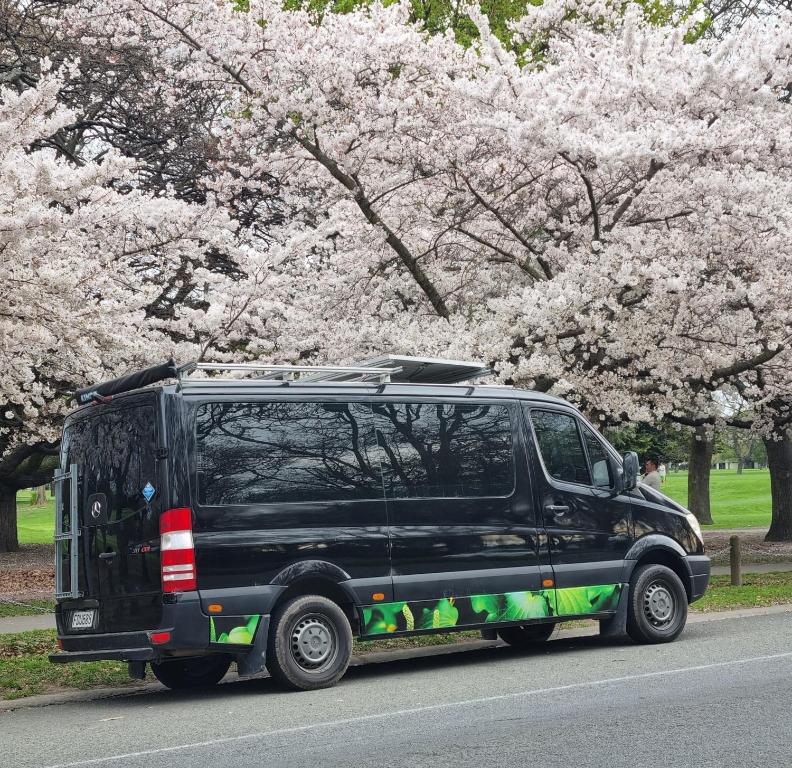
458 527
256 465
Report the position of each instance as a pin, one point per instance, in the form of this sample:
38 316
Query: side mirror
630 467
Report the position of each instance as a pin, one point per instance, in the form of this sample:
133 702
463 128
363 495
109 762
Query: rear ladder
72 535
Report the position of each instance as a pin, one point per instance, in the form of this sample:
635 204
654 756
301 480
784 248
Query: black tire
310 643
527 635
657 610
183 674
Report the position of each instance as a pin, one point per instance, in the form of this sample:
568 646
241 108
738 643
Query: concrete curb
373 657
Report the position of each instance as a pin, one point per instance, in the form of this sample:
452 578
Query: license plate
82 619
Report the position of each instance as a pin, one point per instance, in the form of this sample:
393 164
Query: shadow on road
383 665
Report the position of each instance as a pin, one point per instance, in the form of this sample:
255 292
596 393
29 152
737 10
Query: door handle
107 555
557 509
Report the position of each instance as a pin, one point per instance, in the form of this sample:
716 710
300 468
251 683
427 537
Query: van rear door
119 503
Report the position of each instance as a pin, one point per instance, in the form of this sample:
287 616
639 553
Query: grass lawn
738 501
26 671
758 590
29 608
36 525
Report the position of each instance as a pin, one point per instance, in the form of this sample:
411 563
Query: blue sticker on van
148 492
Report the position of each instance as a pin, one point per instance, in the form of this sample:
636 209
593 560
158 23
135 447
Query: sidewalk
14 624
759 530
724 570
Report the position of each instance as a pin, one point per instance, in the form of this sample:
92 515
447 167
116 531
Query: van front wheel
310 643
657 610
182 674
526 636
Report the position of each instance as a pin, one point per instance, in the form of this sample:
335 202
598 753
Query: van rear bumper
122 654
184 620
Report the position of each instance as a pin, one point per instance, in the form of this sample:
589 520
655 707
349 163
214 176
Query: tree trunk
8 520
41 495
701 448
739 466
779 461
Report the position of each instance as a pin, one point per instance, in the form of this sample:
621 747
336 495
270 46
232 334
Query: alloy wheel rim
659 604
314 643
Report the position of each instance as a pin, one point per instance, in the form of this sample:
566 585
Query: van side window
600 466
559 442
262 453
439 450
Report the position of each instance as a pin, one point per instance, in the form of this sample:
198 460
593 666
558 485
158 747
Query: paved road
718 697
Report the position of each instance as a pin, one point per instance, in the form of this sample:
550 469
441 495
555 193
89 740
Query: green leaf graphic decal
444 614
492 605
525 605
239 630
383 618
578 601
572 601
428 615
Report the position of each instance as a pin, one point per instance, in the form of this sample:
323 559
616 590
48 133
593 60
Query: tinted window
260 453
445 451
559 442
598 458
116 451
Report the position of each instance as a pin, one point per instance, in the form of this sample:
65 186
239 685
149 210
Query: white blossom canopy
606 214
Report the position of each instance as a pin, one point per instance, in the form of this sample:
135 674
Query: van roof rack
293 372
382 369
413 370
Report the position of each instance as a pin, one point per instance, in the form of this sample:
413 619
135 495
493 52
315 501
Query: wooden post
734 561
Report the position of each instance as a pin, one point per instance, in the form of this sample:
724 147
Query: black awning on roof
131 381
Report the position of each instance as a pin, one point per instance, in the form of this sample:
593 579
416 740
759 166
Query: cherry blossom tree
600 210
86 261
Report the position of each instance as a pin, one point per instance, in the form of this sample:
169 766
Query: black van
269 520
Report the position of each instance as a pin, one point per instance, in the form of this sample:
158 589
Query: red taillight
177 553
158 638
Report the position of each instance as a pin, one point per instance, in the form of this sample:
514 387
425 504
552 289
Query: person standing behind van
652 476
662 472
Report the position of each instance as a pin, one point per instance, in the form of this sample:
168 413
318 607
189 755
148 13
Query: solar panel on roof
415 370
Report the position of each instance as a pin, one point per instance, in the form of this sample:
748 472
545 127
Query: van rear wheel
182 674
527 635
657 610
310 643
